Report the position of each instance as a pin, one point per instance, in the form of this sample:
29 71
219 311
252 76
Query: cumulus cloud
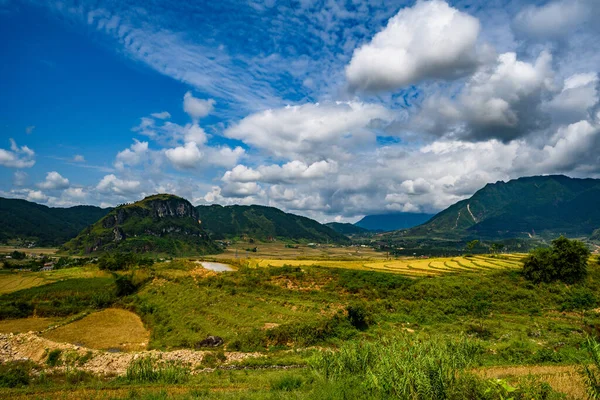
427 41
224 156
54 180
576 100
185 157
78 158
313 130
132 156
17 157
290 172
36 196
112 184
197 108
502 101
555 18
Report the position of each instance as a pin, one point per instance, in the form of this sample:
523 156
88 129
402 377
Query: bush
53 359
15 374
565 261
125 285
358 316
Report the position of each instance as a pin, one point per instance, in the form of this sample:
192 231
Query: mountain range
524 207
264 223
539 206
42 225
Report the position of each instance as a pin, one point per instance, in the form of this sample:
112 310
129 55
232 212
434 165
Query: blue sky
331 109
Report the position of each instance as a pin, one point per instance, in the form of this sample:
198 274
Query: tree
471 245
566 260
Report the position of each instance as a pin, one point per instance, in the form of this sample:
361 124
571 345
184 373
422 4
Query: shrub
358 316
125 285
579 300
15 374
565 261
53 359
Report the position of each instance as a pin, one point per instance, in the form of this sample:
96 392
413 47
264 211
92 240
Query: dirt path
29 346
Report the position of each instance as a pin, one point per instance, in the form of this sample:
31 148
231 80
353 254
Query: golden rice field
12 282
112 328
415 267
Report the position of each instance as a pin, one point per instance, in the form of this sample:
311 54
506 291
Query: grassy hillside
43 225
262 223
392 221
346 228
164 224
547 205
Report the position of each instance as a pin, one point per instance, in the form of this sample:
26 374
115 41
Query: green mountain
263 223
392 221
162 223
346 228
524 207
43 225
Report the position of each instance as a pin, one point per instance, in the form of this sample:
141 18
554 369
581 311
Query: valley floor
83 337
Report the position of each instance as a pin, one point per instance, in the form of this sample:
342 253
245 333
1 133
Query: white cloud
429 40
20 178
54 180
578 96
224 156
17 157
29 130
502 100
134 155
110 183
316 130
197 108
78 158
185 157
37 196
554 19
161 115
290 172
75 193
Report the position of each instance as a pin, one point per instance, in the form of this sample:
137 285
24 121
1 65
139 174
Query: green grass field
290 310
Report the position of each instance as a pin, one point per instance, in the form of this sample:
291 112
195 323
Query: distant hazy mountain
392 221
45 226
162 223
260 222
522 207
346 228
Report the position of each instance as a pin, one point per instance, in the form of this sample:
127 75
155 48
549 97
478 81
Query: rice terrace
300 199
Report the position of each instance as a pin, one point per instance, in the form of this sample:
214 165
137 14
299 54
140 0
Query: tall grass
153 370
591 373
400 367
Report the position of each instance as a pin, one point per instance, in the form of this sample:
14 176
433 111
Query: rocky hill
264 223
29 222
162 223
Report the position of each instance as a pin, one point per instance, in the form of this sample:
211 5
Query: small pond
214 266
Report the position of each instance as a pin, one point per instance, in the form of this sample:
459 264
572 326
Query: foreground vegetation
342 332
